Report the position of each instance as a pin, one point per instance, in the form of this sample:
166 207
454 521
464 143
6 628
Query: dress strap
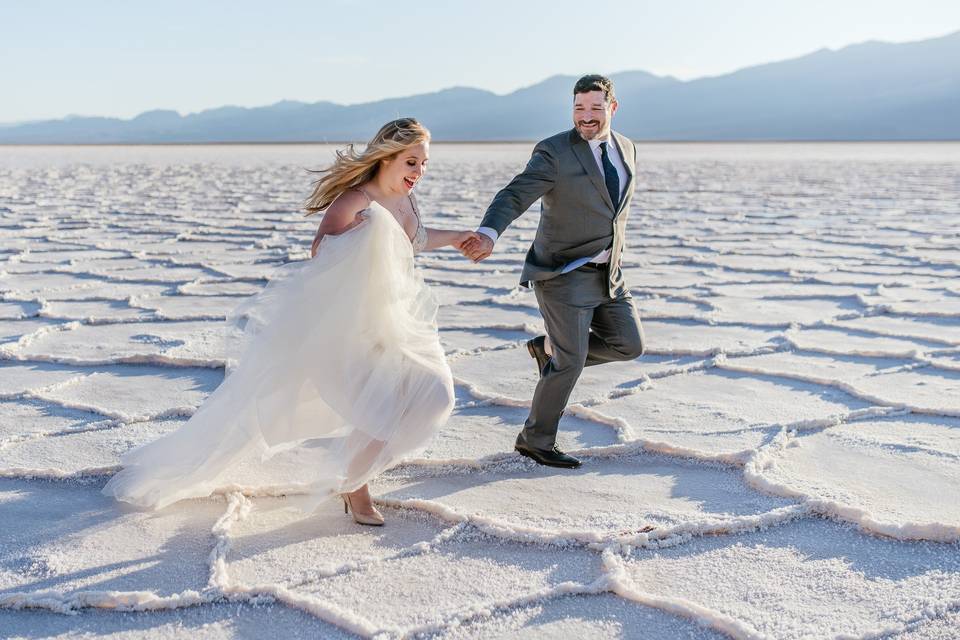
416 210
420 238
365 194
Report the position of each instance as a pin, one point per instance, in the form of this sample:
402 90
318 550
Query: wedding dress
339 375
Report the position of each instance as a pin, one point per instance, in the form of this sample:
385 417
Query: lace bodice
419 239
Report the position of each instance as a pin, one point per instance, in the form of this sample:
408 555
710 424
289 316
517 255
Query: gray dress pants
587 327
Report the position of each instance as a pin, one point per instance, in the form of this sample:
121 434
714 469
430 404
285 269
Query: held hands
463 238
478 247
471 244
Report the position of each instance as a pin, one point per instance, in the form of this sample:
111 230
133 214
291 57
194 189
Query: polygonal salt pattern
778 464
780 312
600 617
18 379
179 343
183 307
684 337
68 537
18 310
845 342
94 311
897 470
725 412
807 579
226 621
93 446
421 591
14 331
606 497
136 392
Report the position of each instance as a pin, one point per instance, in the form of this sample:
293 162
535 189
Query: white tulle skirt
339 374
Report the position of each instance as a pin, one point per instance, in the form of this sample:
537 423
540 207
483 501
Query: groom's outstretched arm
534 181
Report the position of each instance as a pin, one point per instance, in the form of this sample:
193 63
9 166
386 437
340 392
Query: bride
336 372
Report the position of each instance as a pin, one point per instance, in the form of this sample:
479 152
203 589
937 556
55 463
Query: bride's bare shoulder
349 202
344 209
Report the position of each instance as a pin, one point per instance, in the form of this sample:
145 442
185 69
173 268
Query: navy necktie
610 176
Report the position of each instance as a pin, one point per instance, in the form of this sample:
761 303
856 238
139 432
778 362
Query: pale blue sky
96 57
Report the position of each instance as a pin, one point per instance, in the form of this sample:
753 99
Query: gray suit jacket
577 217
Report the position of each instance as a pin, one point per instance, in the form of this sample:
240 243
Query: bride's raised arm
342 215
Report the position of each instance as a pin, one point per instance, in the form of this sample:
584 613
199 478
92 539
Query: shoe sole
546 464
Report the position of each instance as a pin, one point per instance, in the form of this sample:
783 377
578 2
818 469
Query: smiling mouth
410 183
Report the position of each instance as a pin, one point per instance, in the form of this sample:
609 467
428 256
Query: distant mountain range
869 91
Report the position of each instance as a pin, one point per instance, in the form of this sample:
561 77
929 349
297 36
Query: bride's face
402 172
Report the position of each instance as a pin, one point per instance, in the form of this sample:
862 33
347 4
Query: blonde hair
353 168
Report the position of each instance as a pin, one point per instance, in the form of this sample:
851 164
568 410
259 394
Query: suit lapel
582 150
627 164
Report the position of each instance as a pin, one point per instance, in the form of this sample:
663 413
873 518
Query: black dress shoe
538 352
549 457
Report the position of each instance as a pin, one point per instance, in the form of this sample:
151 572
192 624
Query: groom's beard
591 133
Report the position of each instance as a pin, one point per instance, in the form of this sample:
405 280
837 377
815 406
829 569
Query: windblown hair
353 168
595 82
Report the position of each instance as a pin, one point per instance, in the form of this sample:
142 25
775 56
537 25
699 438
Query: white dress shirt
614 154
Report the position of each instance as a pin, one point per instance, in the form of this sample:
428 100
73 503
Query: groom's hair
595 82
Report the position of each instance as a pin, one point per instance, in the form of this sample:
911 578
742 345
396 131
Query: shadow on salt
604 498
207 622
69 537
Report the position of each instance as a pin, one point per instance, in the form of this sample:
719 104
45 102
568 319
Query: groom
584 179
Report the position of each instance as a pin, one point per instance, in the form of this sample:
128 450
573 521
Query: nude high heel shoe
374 519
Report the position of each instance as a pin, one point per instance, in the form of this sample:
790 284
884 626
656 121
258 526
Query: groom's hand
478 247
464 239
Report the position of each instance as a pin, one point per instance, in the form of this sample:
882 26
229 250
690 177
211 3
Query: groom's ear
613 106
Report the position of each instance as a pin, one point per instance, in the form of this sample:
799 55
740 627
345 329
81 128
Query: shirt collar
595 143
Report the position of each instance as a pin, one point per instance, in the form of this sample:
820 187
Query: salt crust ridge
681 237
